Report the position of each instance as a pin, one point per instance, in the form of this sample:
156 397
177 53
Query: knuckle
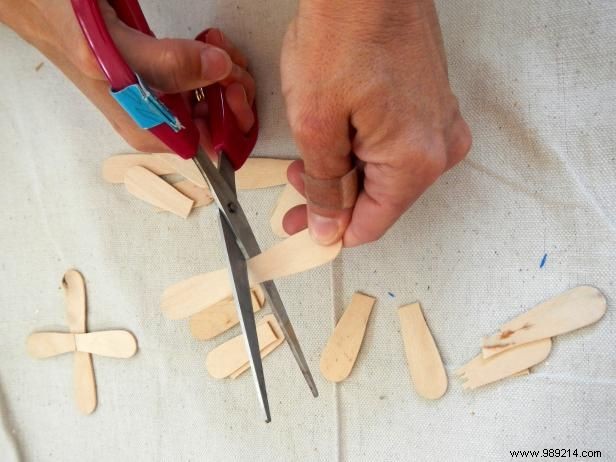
170 64
309 130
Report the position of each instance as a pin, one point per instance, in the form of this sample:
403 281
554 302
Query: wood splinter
510 363
112 343
424 360
343 346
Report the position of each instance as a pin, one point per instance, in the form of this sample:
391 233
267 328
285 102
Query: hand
368 78
168 65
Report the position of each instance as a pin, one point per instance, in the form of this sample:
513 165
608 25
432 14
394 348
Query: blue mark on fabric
144 107
543 260
391 294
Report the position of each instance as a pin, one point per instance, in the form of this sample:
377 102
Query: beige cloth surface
536 81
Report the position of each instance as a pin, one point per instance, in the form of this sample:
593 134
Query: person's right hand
168 65
365 82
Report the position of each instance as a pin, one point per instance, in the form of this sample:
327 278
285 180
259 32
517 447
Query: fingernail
324 230
218 36
215 64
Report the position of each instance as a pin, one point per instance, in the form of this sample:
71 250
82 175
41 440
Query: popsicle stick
288 199
46 344
85 386
217 318
255 173
268 349
573 309
74 289
115 167
424 360
228 357
111 343
341 351
482 371
296 254
262 172
152 189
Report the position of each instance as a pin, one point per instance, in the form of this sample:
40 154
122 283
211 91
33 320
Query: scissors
168 117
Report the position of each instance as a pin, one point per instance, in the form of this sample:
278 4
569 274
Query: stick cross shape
110 343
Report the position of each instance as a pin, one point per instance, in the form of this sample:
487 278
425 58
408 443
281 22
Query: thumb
170 65
324 142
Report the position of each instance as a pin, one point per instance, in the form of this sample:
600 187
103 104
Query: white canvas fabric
536 81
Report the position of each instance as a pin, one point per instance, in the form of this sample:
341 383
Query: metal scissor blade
231 209
241 290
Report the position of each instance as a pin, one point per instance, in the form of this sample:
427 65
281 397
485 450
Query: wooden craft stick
46 344
115 167
255 173
74 288
481 371
293 255
288 199
343 346
423 357
573 309
83 376
227 358
85 386
111 343
152 189
262 172
271 320
218 318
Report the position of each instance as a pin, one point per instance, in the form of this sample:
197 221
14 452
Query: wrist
367 12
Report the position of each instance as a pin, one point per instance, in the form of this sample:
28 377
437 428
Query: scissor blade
238 272
232 211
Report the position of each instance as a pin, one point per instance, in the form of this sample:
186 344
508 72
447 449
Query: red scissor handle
223 126
224 130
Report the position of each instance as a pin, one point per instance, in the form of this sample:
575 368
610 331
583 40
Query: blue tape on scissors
144 107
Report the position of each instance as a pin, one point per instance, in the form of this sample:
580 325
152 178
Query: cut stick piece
200 195
227 358
218 318
85 386
343 346
481 371
288 199
115 167
255 173
262 172
111 343
293 255
568 311
152 189
268 349
424 360
46 344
